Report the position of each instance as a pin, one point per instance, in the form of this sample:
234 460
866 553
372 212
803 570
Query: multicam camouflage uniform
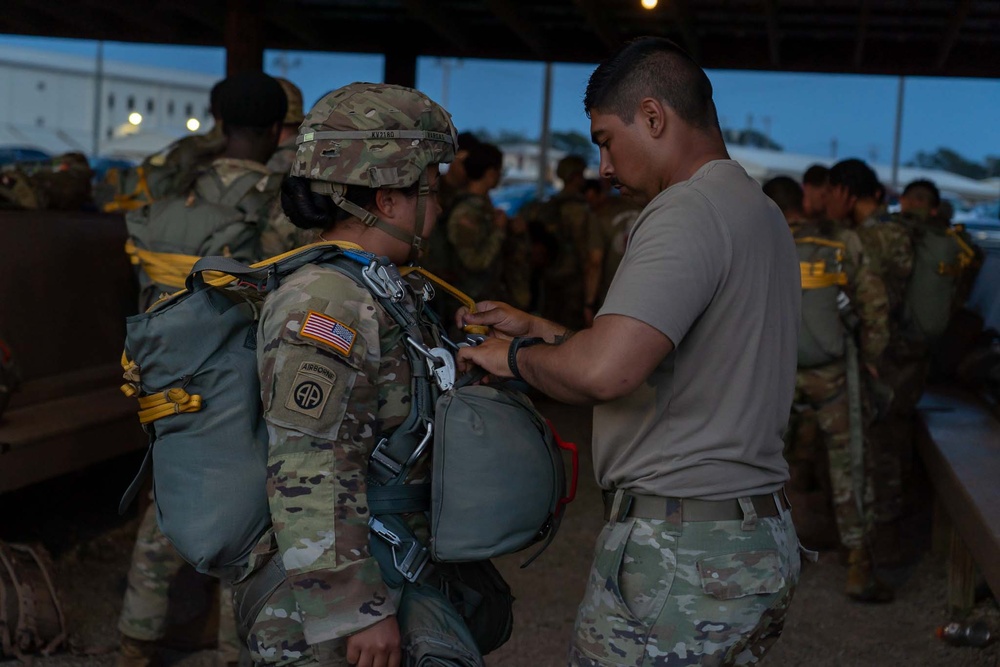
822 392
890 251
608 232
517 264
567 217
478 245
281 235
328 398
155 566
326 405
653 596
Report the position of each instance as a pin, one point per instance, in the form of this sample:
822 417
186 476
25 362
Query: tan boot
862 584
137 653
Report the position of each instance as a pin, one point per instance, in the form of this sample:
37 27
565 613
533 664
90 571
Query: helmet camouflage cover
375 135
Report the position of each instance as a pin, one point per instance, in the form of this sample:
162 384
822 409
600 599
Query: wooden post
400 68
244 36
961 578
941 530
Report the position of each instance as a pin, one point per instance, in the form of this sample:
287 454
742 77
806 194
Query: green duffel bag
498 484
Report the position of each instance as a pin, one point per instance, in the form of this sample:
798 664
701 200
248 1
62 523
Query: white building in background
521 162
47 101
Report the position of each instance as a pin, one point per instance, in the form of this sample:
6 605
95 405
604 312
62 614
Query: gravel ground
75 518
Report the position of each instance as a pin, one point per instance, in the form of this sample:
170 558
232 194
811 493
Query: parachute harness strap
173 401
814 274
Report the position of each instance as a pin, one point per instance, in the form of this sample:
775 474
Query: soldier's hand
376 646
490 355
505 320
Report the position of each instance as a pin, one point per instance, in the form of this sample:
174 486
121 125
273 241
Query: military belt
640 506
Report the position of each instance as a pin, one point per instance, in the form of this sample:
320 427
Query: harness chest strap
814 274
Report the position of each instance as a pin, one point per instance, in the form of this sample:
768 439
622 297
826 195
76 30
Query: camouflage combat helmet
294 114
377 136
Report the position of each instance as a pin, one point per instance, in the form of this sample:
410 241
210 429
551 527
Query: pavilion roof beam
211 15
122 21
430 13
599 23
511 16
954 28
53 11
309 33
864 20
680 14
773 36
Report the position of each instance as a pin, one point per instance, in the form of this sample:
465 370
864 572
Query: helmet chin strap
423 209
336 193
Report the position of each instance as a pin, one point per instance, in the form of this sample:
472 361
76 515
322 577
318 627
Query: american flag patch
327 330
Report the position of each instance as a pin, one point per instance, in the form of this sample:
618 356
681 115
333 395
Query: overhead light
193 124
135 118
649 4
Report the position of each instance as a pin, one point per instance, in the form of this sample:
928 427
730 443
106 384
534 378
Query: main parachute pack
499 484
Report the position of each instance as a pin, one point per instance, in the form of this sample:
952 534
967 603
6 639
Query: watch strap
516 345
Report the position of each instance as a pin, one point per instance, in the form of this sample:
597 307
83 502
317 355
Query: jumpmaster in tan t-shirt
711 264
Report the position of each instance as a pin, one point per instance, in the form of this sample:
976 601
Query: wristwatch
516 345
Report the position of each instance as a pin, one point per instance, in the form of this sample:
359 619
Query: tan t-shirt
711 264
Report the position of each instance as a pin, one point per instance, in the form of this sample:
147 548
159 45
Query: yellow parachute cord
453 291
165 268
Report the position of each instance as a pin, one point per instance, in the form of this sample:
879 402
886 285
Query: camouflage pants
155 565
892 437
665 593
276 637
823 390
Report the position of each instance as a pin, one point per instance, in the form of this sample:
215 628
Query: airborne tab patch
330 332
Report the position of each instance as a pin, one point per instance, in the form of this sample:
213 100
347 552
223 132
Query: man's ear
653 116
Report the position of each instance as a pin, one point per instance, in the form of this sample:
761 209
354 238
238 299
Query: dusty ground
76 519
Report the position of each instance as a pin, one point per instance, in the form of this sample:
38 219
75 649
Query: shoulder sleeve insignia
324 329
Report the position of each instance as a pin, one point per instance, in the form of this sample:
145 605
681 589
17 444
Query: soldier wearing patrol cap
335 375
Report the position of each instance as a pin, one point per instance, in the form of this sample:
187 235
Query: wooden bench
960 446
65 291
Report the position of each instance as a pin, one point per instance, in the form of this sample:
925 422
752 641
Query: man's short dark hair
652 67
817 175
466 140
481 158
859 179
786 193
925 190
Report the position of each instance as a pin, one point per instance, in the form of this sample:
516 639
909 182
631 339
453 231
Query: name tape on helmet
376 134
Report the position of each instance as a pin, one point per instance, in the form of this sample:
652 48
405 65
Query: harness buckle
416 556
382 458
377 278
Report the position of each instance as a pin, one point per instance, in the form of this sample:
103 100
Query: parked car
12 154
